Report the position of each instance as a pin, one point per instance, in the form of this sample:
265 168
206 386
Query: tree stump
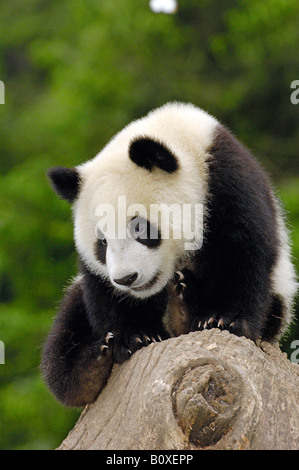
204 390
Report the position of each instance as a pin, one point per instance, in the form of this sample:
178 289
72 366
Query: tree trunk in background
205 390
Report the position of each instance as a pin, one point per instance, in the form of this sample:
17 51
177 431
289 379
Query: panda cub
144 276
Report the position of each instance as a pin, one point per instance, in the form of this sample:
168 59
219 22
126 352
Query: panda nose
127 280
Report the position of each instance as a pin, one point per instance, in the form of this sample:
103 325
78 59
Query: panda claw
180 276
108 337
104 349
147 339
215 322
159 338
180 287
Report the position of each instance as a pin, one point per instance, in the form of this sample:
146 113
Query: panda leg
126 343
189 305
75 363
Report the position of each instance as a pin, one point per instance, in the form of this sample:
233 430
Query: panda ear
65 182
149 153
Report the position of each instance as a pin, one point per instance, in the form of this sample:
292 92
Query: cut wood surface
204 390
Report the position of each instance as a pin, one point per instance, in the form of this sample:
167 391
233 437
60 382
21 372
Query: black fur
149 153
100 250
149 236
74 364
275 318
65 182
230 282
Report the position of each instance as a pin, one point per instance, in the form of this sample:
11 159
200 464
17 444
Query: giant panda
146 285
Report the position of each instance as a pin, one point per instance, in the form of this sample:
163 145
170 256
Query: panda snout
126 280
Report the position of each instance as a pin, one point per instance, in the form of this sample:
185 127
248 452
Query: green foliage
75 73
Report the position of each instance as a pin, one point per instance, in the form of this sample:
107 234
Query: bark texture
204 390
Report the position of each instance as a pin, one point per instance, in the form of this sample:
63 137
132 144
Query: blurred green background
75 73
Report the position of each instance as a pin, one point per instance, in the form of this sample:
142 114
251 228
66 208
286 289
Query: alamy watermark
295 354
178 221
295 95
2 92
2 353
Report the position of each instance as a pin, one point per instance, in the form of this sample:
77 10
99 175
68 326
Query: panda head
113 206
123 229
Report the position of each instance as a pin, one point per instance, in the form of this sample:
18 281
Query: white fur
188 132
284 277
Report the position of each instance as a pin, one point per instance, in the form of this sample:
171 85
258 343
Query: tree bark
204 390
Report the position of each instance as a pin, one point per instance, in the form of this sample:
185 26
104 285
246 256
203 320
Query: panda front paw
229 321
104 348
185 290
125 344
184 309
180 284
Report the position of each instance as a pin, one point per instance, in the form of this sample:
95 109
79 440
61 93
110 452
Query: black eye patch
144 232
101 247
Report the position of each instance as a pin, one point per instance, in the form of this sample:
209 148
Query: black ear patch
149 153
65 182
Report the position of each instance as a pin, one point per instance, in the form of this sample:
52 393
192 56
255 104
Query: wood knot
206 400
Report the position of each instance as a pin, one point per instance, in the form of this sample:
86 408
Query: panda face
139 264
141 261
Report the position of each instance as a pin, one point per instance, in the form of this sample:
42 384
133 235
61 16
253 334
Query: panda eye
101 237
144 232
101 246
140 228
